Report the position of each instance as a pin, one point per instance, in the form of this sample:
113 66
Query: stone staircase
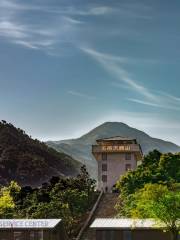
104 210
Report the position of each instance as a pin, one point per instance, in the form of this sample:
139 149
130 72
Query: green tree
158 202
85 183
170 165
7 204
155 168
77 201
66 198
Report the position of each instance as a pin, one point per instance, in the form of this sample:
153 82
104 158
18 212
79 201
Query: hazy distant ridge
80 148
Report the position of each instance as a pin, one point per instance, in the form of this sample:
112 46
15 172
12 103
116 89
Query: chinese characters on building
116 148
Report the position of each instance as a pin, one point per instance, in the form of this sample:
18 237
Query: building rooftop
28 223
124 223
117 138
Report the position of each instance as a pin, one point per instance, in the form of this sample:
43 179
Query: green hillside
28 161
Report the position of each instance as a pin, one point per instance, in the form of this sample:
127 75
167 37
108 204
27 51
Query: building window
104 167
128 156
127 235
104 178
104 156
128 167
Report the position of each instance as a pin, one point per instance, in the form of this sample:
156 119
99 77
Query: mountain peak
109 124
106 126
80 148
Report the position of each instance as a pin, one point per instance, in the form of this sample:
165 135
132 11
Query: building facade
115 156
129 229
32 229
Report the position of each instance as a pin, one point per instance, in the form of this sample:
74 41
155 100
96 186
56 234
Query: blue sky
67 66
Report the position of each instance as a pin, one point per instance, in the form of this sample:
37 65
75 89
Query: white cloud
170 97
72 20
166 106
113 65
125 10
144 102
99 10
109 63
34 35
15 6
12 30
26 44
64 25
26 35
69 10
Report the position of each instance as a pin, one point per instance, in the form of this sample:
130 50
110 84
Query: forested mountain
80 148
28 161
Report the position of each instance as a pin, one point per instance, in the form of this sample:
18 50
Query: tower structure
115 156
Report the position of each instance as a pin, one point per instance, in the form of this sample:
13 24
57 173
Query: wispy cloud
169 96
114 66
144 102
69 10
14 28
125 10
72 20
26 35
109 63
81 95
152 104
65 20
90 11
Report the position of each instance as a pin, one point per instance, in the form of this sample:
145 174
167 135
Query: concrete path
104 210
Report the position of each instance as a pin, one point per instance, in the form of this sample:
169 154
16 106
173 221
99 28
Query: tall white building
115 156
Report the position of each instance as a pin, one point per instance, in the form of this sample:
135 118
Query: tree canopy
155 168
153 191
158 202
7 204
67 198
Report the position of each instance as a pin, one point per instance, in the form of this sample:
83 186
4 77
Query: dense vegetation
29 161
66 198
153 191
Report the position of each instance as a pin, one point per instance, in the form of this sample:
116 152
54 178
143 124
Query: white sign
28 223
